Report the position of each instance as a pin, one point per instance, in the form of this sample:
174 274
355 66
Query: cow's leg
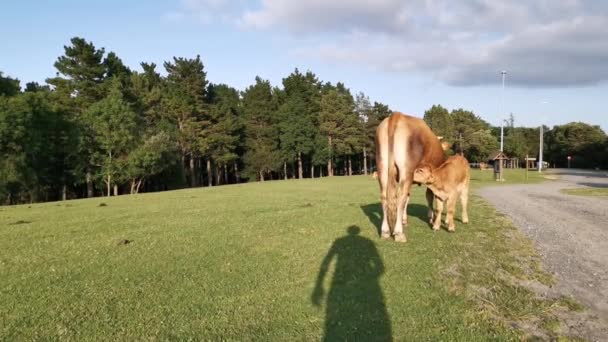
382 158
385 232
438 210
464 202
451 203
404 192
407 200
429 201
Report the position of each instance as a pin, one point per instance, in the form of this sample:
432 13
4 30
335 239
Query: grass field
586 191
283 261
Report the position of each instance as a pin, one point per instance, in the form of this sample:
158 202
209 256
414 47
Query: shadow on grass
355 306
374 213
594 185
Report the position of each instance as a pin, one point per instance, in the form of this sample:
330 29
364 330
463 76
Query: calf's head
424 175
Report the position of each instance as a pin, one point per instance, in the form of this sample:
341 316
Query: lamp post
540 150
540 147
504 74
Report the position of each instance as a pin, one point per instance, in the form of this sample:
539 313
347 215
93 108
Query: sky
406 54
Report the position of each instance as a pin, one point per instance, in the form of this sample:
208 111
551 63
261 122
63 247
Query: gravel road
571 234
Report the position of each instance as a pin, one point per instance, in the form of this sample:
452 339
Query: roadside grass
511 176
248 262
588 191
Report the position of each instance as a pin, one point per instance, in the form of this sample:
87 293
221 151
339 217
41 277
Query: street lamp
504 74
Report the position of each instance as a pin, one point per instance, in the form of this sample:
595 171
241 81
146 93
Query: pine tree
298 113
440 121
184 106
225 127
261 131
337 121
78 84
9 86
114 126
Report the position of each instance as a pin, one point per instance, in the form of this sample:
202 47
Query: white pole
503 73
540 150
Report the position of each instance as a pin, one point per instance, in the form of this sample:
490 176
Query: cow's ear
445 145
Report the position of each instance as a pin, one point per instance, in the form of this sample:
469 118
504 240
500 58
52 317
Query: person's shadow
355 307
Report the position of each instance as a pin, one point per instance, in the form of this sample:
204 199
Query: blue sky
409 56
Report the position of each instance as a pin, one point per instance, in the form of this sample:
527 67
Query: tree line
479 141
99 128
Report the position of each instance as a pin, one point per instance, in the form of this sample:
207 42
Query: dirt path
571 234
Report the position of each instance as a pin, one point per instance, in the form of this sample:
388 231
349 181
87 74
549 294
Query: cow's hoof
465 221
400 238
435 228
385 236
451 229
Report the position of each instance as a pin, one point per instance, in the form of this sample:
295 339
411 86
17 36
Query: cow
447 182
402 143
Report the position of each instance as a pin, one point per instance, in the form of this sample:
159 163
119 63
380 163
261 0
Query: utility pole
540 150
504 74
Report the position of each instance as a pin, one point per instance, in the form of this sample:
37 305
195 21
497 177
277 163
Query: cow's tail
393 175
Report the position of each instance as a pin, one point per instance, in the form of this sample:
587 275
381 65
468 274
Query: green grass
511 176
243 263
586 191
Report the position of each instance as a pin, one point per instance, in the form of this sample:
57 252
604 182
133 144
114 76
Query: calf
448 181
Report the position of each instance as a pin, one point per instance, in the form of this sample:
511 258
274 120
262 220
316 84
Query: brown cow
448 181
402 143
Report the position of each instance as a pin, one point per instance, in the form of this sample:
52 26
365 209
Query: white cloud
540 43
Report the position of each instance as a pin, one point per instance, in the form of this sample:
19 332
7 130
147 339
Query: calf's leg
451 203
464 202
438 210
429 201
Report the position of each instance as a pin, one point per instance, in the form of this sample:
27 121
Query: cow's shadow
373 212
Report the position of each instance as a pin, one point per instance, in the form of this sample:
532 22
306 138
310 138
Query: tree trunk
330 170
225 174
138 185
312 170
109 181
184 171
192 172
320 172
261 176
365 161
285 170
90 191
350 167
209 175
115 190
132 186
218 175
64 192
300 171
236 173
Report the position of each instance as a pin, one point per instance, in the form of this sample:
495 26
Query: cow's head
424 175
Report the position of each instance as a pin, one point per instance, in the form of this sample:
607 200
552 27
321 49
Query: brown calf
402 143
448 181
